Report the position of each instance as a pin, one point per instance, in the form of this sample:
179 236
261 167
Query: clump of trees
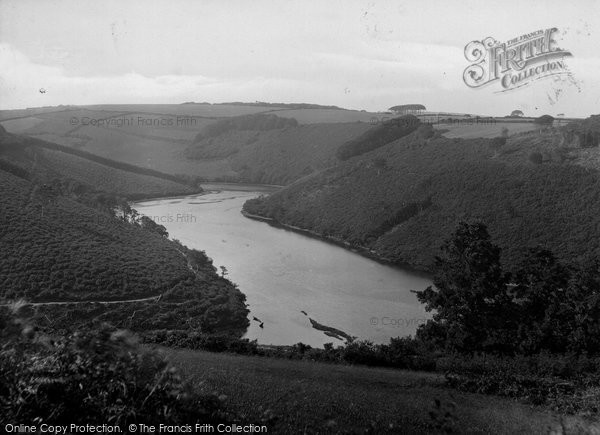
587 131
254 122
544 121
542 305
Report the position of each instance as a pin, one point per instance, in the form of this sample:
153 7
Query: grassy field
317 116
307 397
471 131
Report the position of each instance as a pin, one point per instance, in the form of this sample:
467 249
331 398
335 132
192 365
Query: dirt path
123 301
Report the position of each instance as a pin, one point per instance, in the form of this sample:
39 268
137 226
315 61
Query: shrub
544 120
536 158
95 377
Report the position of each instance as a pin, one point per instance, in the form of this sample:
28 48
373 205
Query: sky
355 54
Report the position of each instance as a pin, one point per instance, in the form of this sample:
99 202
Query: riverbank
361 250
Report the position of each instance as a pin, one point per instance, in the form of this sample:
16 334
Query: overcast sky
355 54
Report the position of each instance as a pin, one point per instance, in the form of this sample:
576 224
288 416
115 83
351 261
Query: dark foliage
378 137
253 122
277 156
541 306
555 205
58 249
587 131
536 158
544 120
98 376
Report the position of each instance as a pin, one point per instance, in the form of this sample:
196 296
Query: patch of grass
309 397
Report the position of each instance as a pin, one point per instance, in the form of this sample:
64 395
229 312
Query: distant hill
278 155
401 200
160 136
43 161
285 105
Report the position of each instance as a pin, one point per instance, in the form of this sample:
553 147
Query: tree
470 295
223 271
408 108
541 289
544 121
45 194
148 224
517 113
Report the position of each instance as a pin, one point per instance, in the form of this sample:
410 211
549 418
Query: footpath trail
122 301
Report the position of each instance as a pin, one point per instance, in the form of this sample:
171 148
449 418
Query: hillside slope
277 156
44 162
400 200
161 137
56 249
354 399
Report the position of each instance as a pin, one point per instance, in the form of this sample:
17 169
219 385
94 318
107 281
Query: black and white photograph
300 217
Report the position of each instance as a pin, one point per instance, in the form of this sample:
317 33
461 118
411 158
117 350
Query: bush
536 158
544 120
565 382
92 377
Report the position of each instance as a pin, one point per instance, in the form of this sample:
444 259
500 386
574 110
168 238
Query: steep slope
53 249
45 162
401 200
277 156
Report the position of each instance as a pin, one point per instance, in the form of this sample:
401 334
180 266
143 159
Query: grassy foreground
308 397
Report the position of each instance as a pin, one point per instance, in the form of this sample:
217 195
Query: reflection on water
284 274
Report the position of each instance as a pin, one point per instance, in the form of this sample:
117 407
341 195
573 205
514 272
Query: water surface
284 273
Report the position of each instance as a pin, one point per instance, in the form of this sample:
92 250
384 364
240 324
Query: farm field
317 116
112 180
310 397
205 110
471 131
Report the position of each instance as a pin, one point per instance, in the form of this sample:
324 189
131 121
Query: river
285 274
